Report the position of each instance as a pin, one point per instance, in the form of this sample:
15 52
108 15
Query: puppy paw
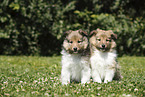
97 80
83 82
64 83
106 81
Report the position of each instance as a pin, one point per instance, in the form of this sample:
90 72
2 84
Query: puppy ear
94 32
82 32
99 29
113 35
66 33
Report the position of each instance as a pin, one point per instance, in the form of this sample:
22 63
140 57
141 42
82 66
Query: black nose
103 45
75 48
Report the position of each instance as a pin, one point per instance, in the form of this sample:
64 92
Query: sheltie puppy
75 58
103 56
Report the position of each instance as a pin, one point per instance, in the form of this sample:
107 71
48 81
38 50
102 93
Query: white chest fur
102 64
74 67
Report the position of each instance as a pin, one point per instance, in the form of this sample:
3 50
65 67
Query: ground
40 76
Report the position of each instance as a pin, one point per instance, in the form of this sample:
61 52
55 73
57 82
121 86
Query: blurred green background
35 27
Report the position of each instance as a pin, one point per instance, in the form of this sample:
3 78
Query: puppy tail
117 75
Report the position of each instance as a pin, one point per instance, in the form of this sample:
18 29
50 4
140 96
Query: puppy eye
99 39
108 40
71 42
79 41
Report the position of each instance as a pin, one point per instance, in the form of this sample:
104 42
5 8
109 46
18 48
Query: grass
40 76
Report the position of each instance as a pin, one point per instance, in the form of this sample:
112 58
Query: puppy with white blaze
75 58
103 56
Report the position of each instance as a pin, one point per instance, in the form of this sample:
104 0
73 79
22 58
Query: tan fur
102 46
75 39
75 58
101 37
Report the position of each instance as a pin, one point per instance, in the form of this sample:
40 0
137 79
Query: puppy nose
75 48
103 45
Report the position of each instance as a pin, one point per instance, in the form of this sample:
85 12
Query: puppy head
75 41
103 40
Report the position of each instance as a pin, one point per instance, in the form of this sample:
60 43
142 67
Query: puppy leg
86 74
109 75
96 76
65 76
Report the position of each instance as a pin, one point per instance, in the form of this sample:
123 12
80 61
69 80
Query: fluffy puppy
75 58
103 56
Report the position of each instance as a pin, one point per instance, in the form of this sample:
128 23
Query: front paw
97 80
64 83
106 81
83 82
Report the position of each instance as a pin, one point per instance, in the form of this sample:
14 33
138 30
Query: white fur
75 67
103 67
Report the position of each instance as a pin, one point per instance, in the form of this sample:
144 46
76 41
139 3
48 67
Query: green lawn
40 76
